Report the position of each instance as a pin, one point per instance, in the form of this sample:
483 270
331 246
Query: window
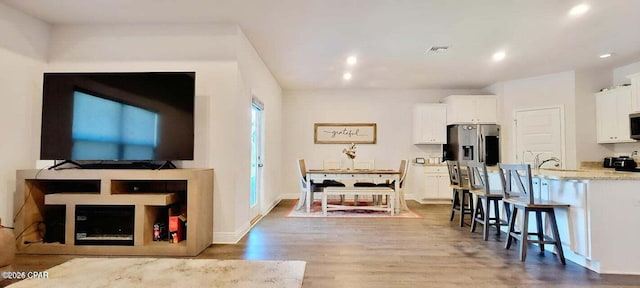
106 129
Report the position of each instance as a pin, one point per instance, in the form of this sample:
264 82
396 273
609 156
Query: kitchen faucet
537 163
536 159
555 159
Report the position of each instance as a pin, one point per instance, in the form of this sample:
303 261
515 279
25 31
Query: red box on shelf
176 229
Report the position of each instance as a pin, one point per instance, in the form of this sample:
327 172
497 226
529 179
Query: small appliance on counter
622 163
608 162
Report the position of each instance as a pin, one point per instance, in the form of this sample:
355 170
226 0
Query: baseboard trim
435 201
289 196
234 237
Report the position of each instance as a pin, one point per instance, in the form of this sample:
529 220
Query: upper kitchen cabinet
472 109
429 123
612 115
635 92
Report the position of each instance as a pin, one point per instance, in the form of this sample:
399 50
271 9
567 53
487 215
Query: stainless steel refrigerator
473 142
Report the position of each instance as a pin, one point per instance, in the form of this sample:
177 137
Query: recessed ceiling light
347 76
498 56
352 60
578 10
605 55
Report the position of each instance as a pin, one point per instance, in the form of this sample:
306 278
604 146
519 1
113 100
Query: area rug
170 272
316 212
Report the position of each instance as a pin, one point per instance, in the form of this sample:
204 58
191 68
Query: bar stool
460 193
520 195
479 186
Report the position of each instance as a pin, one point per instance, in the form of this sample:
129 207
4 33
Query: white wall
139 43
234 121
620 73
550 90
23 48
259 82
389 109
588 82
23 34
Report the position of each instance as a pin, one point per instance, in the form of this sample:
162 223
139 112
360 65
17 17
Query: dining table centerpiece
350 151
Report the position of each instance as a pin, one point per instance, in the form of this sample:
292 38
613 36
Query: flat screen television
118 116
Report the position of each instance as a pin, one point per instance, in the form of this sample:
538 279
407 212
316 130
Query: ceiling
305 43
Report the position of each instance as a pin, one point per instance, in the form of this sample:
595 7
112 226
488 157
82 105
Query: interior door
539 131
257 143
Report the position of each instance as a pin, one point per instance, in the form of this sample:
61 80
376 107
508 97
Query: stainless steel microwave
634 125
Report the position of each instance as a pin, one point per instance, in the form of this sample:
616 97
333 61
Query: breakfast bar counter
599 229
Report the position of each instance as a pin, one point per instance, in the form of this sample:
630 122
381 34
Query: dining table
371 175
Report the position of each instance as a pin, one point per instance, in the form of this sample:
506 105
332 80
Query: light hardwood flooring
428 252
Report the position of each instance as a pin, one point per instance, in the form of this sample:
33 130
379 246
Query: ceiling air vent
437 49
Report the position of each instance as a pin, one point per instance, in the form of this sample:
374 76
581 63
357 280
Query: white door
539 131
257 124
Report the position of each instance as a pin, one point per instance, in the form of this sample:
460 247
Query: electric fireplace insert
104 225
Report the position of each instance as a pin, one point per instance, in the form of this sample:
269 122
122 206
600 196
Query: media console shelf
47 199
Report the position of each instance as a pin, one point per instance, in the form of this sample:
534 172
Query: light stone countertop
596 174
580 174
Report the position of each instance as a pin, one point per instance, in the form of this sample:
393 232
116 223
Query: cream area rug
316 212
169 272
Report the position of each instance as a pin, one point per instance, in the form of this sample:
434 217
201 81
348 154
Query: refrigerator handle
481 151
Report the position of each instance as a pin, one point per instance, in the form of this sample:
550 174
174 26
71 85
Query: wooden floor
429 252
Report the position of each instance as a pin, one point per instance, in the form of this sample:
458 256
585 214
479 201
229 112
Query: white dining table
319 175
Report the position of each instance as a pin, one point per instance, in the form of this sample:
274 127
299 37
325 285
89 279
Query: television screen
118 116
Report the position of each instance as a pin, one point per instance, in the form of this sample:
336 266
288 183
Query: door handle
260 165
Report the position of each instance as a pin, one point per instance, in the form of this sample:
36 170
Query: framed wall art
344 133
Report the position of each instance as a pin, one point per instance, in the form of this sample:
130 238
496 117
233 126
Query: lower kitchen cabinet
437 188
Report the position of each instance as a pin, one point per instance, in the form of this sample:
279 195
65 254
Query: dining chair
404 168
479 186
315 187
333 164
517 186
462 198
302 180
364 165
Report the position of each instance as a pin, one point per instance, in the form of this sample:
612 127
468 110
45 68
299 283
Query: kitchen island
600 229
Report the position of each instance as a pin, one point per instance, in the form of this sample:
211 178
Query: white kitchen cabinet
635 92
612 115
437 184
429 123
472 109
